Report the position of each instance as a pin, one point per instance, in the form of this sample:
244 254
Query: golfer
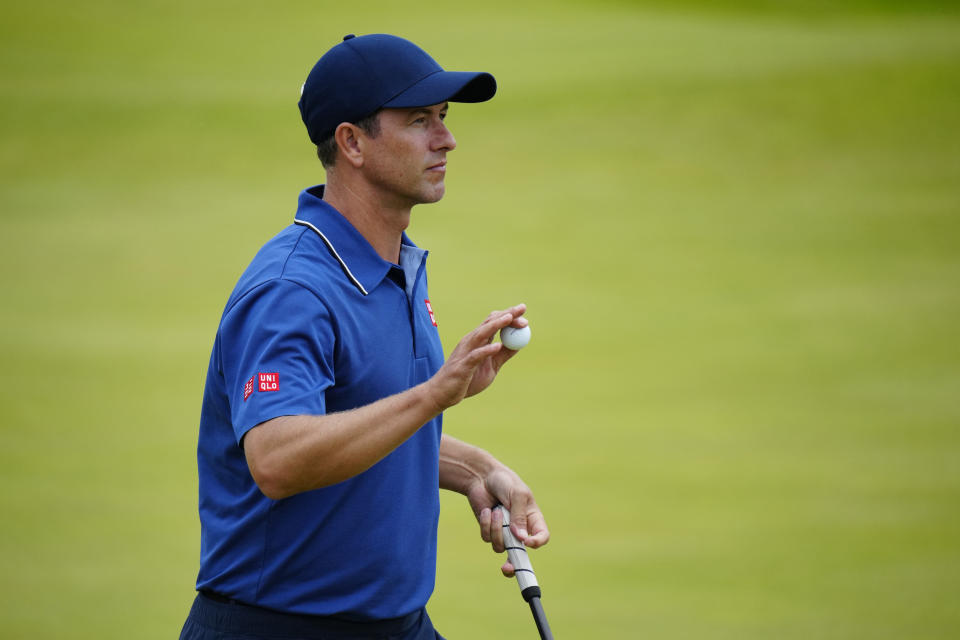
320 451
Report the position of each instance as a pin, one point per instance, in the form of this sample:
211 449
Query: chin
434 195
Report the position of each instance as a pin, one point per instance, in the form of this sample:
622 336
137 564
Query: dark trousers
212 619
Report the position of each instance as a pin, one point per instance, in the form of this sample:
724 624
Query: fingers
483 334
491 528
475 361
517 321
477 349
485 523
496 531
516 311
518 517
478 344
475 357
499 319
527 522
539 534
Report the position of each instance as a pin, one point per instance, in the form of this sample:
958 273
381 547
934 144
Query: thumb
518 519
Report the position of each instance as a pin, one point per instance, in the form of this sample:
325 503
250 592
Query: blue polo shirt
319 323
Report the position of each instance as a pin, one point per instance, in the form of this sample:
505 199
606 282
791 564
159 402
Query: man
320 450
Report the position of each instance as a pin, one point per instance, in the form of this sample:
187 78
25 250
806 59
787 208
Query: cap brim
446 86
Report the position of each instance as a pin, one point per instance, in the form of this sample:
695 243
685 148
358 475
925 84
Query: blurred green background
736 228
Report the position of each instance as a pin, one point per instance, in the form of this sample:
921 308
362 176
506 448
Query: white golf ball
515 338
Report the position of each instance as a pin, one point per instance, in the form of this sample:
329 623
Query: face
407 161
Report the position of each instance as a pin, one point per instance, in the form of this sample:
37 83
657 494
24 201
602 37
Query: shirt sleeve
277 345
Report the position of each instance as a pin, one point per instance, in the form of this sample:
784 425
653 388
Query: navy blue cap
363 74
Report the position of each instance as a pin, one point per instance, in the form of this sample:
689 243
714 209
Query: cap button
348 36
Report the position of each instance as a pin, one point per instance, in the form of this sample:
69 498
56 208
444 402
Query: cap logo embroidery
269 381
248 388
433 318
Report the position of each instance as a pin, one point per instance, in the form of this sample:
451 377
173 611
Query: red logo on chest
268 382
248 389
433 318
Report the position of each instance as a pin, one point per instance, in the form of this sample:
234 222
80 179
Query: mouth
440 167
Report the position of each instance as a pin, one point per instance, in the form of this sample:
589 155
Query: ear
348 137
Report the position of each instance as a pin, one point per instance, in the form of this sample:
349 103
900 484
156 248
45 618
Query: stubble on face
406 162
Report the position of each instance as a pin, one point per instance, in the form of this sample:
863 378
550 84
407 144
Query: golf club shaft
540 618
526 579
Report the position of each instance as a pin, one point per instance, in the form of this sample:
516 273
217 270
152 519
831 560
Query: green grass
735 225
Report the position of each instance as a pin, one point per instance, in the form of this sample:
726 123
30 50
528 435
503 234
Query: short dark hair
327 149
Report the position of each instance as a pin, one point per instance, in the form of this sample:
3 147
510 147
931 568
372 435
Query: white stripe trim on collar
336 255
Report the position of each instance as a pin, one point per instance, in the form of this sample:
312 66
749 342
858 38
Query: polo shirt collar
361 263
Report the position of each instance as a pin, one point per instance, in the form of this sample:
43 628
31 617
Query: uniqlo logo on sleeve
248 388
433 318
268 382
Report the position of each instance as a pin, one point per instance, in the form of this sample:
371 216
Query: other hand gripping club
529 588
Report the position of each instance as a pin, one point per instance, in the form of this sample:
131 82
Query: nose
445 140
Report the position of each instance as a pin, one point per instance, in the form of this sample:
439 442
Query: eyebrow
426 110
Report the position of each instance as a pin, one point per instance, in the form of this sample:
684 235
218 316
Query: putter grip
517 554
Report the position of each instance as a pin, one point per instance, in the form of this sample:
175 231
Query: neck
381 225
